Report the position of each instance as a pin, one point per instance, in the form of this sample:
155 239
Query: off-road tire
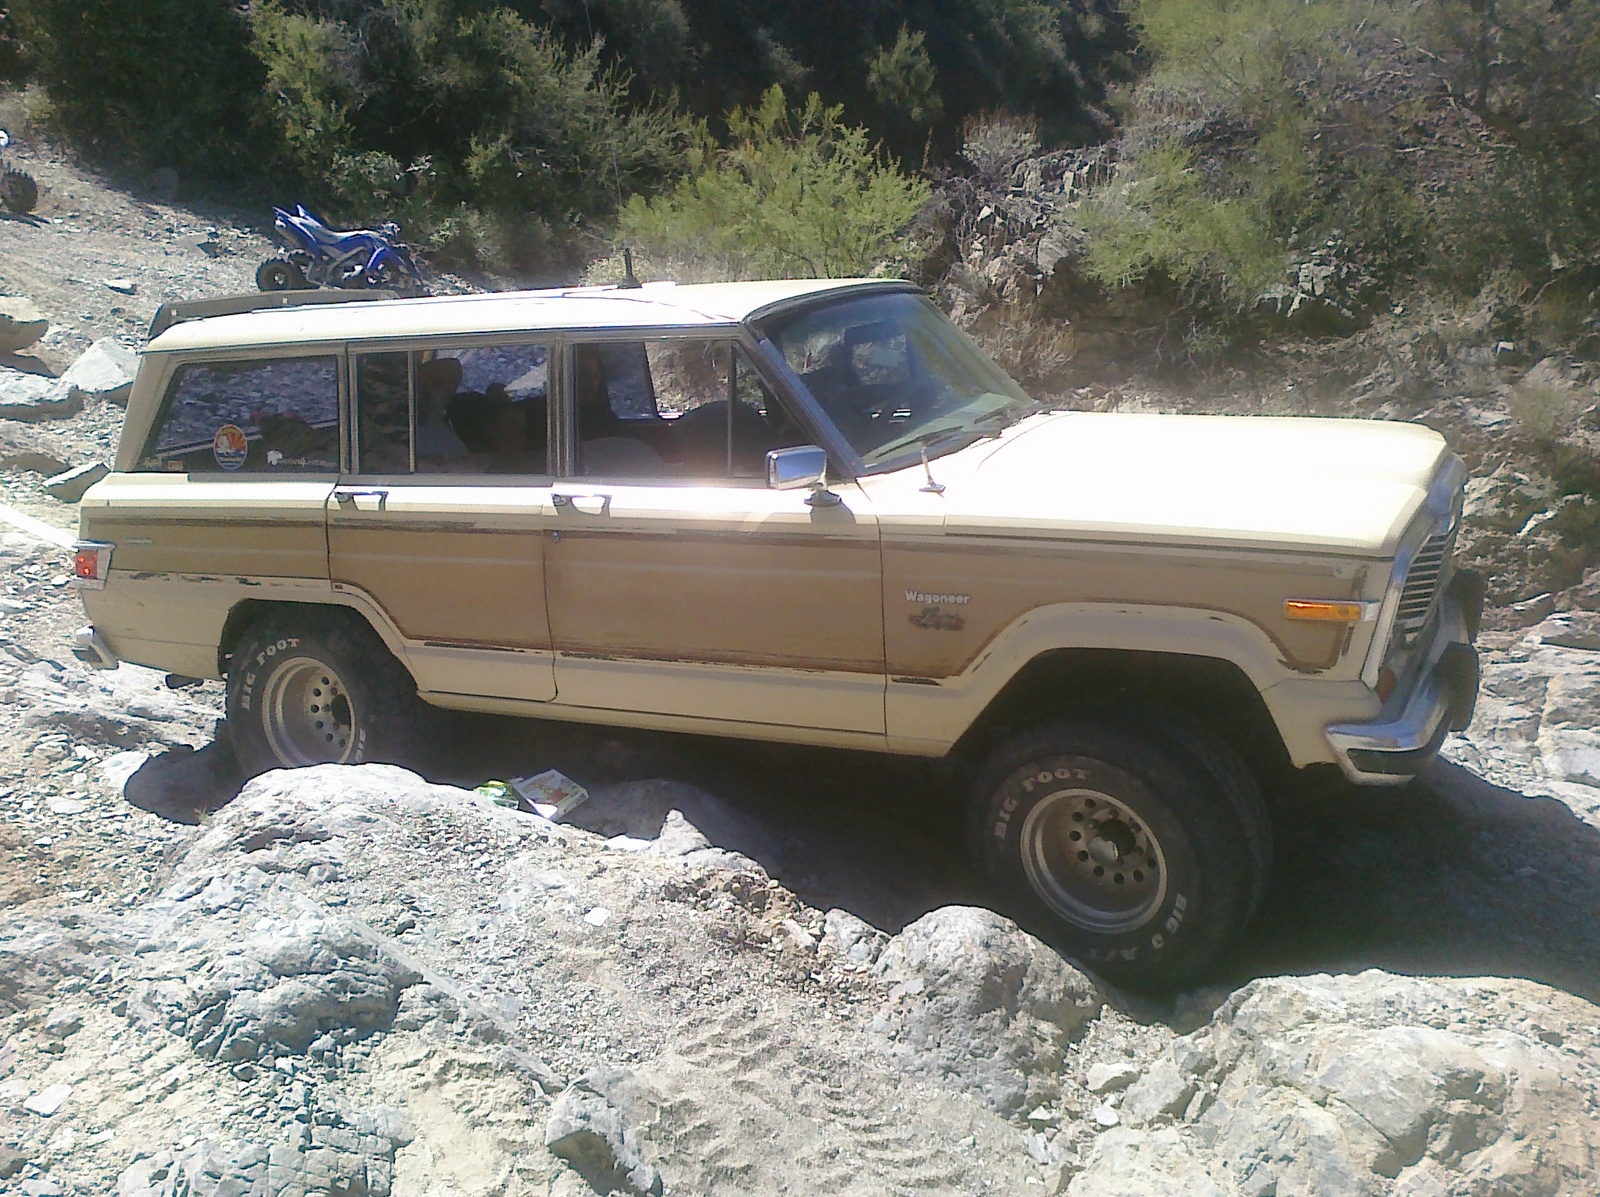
1173 816
387 278
275 274
18 191
1235 782
311 687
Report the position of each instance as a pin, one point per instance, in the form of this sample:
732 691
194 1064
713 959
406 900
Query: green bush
1157 218
909 71
148 83
468 122
797 193
1523 192
1218 175
1434 146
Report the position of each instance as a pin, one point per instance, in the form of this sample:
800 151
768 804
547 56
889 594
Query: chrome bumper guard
1394 749
89 648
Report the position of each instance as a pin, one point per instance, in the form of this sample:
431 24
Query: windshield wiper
926 440
1012 413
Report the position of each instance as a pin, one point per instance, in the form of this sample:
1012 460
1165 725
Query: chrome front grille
1421 590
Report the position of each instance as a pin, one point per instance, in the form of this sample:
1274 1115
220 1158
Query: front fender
930 715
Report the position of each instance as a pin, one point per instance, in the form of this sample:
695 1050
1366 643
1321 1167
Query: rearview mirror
797 468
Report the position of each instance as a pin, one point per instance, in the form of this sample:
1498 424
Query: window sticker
230 447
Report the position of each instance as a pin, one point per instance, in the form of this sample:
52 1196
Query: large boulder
982 1005
104 371
21 323
25 396
1357 1086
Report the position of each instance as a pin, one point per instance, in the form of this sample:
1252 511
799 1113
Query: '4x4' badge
932 619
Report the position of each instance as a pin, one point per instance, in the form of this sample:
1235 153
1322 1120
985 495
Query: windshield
895 376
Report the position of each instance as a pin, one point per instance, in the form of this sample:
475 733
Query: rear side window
257 417
479 409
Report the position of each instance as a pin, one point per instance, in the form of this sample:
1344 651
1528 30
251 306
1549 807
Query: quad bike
317 256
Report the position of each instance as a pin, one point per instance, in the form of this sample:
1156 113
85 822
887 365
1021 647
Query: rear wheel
1140 849
18 191
316 687
275 274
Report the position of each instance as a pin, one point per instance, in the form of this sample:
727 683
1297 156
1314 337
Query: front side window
688 409
895 376
274 417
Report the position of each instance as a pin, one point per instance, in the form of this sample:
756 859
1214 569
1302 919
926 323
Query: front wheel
1123 844
319 688
387 277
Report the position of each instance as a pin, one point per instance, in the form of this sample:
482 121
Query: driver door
678 584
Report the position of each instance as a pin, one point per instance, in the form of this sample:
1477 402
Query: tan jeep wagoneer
801 511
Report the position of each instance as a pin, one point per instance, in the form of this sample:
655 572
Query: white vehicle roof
654 305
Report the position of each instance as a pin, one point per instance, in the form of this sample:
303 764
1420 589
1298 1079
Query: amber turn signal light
1323 611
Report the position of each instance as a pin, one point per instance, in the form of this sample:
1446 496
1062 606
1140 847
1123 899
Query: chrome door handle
350 496
587 504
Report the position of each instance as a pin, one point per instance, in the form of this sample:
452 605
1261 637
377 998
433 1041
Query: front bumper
1398 745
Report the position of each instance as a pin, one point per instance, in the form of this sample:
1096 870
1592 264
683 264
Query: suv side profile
802 511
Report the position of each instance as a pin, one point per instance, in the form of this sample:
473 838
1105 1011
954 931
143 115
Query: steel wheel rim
307 714
1094 861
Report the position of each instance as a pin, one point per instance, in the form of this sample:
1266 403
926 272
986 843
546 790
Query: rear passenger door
440 521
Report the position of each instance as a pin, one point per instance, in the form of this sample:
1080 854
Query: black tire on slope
314 686
1131 844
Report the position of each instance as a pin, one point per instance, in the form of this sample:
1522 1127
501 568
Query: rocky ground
740 969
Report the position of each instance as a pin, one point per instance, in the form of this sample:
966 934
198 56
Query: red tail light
91 563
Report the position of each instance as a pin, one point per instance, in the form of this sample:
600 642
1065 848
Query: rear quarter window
258 417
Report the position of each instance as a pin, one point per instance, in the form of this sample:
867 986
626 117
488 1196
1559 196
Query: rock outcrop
21 323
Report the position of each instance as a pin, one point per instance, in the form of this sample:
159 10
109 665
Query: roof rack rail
169 314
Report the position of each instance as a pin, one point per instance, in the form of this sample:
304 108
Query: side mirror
797 468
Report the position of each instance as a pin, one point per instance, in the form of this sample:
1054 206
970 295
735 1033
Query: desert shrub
1524 193
994 142
149 83
1438 145
467 120
1158 217
1220 176
798 192
909 71
1542 409
1035 351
